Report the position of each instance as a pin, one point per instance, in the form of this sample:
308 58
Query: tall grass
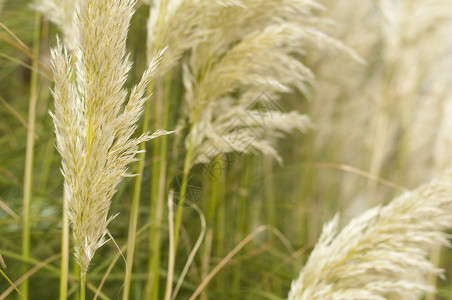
93 129
29 156
285 112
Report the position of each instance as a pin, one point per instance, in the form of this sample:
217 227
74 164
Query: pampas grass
256 53
383 252
287 112
92 125
232 83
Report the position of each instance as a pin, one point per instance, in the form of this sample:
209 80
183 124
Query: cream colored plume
95 117
180 25
242 54
185 24
381 253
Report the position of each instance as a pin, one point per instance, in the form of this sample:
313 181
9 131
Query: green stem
216 182
76 274
205 262
181 197
270 204
12 284
137 187
219 214
157 199
64 252
28 177
82 285
243 216
133 219
19 257
45 167
183 190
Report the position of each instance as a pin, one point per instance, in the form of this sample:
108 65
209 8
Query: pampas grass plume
381 253
243 47
93 121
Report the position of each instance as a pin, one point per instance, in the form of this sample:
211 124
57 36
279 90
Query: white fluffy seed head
240 55
95 119
382 252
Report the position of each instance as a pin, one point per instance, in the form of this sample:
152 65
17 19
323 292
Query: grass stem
28 177
177 223
172 252
157 197
64 269
12 284
82 285
182 194
133 219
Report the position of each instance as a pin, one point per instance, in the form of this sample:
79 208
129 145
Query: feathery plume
383 252
93 122
242 54
185 24
256 67
180 24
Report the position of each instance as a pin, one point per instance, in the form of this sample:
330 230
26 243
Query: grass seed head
95 119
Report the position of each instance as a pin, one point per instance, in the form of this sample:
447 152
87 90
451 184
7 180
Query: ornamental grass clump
382 253
95 118
232 94
239 49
